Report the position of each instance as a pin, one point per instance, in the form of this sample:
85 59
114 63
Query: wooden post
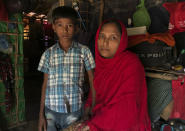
61 2
101 11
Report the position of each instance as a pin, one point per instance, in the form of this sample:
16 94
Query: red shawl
121 93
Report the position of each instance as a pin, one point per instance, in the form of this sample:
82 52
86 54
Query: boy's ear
76 29
53 26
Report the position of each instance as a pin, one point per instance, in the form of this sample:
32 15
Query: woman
121 93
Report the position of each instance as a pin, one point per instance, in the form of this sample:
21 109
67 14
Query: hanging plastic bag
177 17
159 19
141 17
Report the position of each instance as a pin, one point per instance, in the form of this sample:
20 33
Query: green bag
141 17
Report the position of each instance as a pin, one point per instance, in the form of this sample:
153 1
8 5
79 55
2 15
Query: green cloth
141 17
159 96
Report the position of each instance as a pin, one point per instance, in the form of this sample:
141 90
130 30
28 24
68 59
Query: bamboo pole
16 81
61 2
15 22
163 76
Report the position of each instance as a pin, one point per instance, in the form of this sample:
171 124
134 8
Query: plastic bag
141 17
177 17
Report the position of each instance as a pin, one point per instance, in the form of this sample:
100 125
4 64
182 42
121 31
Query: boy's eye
59 25
70 25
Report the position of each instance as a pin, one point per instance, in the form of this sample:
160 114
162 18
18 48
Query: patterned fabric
159 96
65 76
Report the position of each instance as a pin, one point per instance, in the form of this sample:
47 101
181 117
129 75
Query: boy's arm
91 77
89 66
42 120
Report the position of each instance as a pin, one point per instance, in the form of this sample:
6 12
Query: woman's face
108 40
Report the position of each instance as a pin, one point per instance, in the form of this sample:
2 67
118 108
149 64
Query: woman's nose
106 42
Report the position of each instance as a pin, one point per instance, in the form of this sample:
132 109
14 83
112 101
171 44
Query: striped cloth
159 96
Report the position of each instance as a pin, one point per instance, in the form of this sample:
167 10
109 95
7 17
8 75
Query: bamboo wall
13 31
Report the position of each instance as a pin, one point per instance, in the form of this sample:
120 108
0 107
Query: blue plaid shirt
65 75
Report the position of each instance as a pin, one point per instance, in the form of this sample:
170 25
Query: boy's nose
65 29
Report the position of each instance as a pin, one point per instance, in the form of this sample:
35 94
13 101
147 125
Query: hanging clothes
177 17
7 76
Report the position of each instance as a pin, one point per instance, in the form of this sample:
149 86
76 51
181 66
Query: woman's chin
106 56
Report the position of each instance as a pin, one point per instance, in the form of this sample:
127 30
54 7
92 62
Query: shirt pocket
76 68
55 71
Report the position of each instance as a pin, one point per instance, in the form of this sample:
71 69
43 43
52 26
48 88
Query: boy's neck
65 45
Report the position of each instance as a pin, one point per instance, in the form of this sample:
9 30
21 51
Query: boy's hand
42 123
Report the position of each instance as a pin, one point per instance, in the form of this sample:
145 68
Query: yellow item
177 67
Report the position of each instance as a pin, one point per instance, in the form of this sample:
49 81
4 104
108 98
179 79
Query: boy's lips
66 36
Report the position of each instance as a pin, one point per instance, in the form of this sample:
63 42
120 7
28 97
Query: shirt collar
73 45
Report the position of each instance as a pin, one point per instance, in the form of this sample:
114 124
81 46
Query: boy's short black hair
64 12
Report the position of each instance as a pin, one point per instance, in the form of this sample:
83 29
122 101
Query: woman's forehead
110 28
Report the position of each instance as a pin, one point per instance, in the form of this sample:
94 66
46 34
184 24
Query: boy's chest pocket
77 63
56 67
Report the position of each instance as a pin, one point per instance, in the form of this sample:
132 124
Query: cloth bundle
159 96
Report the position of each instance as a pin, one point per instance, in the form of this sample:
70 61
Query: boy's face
64 28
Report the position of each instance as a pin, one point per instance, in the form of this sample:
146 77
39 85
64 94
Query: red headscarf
121 93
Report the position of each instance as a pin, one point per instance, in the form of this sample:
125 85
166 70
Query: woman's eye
113 38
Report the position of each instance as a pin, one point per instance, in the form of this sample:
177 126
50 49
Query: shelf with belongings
12 101
162 58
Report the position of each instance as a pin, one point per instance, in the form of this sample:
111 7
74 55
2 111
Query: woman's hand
87 114
85 128
82 127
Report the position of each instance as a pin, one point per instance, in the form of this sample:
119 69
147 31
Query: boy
63 66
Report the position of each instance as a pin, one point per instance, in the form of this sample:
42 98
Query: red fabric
177 17
121 93
178 91
48 31
3 12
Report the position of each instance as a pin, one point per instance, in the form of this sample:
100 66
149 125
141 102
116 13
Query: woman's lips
104 49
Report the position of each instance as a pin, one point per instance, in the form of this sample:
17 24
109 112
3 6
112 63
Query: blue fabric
58 121
65 75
